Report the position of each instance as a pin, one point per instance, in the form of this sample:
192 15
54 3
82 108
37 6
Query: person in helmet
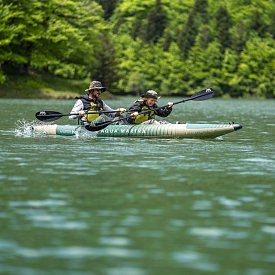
147 104
91 102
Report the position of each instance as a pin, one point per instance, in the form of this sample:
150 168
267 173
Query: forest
173 47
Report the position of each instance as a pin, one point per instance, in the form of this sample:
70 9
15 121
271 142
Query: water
139 206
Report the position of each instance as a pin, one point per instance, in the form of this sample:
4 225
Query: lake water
79 205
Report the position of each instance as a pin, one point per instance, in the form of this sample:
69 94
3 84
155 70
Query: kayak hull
188 130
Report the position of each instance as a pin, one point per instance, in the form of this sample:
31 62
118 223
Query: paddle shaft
77 114
52 115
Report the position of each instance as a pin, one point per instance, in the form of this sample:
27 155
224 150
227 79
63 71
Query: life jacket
91 106
144 117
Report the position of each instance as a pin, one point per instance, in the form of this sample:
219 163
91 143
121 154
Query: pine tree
108 6
106 68
156 23
197 18
223 22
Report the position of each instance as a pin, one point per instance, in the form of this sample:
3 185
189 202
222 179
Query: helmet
151 94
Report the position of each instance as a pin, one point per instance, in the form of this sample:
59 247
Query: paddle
52 115
199 96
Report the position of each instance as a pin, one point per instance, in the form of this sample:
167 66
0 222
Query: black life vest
90 105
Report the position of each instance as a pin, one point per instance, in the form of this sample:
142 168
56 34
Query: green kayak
188 130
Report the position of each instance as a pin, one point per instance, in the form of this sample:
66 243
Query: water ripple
37 203
77 252
269 229
195 260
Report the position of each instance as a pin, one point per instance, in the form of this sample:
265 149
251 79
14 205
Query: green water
79 205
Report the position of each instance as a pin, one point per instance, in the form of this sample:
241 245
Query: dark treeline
174 47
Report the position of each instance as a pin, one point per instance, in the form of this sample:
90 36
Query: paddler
91 102
145 103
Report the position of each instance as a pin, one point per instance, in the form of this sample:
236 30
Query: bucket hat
151 94
96 85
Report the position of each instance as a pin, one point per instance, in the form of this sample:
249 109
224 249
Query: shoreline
35 86
44 87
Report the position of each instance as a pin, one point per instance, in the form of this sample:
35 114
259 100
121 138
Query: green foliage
203 44
174 47
256 74
60 37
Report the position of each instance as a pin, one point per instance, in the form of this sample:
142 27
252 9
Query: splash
80 133
25 128
219 138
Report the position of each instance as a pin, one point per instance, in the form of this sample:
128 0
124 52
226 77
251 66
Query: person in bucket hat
91 102
147 104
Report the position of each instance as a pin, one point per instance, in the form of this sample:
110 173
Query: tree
173 72
204 65
197 17
108 6
156 22
223 23
106 67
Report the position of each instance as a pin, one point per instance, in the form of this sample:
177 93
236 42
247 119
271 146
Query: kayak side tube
188 130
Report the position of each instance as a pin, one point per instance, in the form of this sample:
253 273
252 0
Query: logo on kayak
122 131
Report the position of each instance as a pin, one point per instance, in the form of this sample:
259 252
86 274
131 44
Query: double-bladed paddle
199 96
48 116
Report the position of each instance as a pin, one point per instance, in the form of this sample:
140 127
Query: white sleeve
109 109
78 106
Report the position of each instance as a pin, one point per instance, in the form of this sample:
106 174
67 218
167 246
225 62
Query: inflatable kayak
188 130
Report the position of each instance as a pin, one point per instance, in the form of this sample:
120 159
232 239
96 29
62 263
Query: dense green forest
174 47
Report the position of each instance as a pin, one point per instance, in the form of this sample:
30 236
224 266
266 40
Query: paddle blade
48 115
97 126
203 95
